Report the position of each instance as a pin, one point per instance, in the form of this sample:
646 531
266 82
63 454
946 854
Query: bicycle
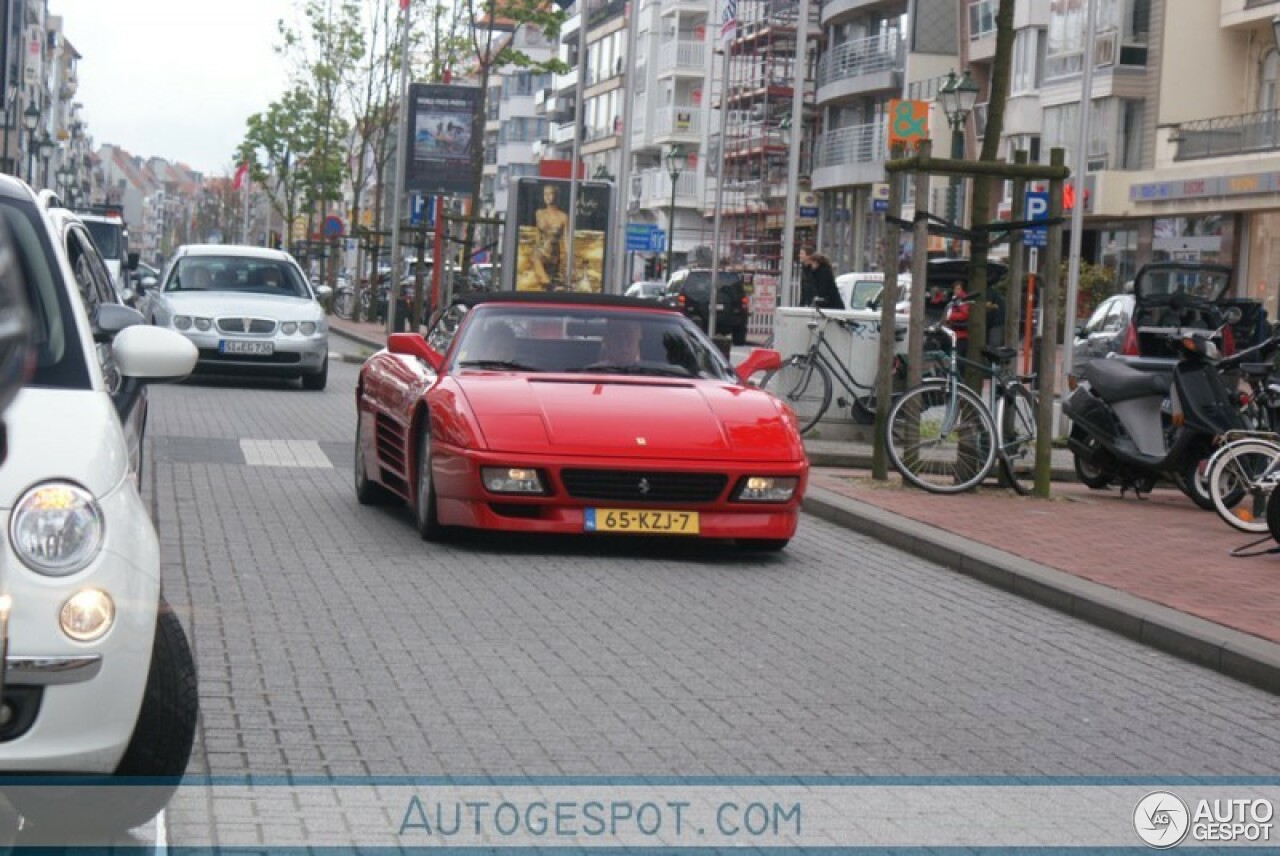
943 437
804 381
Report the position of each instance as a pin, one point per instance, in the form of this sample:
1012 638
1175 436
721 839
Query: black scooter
1133 425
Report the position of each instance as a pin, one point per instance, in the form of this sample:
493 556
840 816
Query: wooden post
415 319
888 328
1049 338
1017 261
919 274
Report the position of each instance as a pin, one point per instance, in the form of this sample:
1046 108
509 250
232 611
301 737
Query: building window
982 19
1028 61
1270 78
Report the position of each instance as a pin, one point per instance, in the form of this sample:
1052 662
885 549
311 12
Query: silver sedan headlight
308 328
203 324
182 322
289 328
56 528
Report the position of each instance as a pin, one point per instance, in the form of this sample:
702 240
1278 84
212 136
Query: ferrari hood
635 418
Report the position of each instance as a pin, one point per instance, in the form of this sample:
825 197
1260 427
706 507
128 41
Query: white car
98 678
249 310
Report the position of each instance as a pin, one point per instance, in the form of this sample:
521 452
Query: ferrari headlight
308 328
87 615
182 322
56 528
289 328
511 480
766 489
203 324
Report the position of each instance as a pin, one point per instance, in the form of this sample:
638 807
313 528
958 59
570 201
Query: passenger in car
621 343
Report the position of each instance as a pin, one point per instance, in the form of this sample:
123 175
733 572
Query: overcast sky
175 78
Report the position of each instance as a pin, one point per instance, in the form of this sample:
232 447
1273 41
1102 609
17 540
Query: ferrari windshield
586 339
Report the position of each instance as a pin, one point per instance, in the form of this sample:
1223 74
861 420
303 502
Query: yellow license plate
635 520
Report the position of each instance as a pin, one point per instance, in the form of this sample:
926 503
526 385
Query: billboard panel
440 144
538 236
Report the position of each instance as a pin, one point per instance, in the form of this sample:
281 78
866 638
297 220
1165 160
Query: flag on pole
241 172
729 20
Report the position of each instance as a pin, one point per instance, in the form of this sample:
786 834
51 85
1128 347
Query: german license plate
256 349
633 520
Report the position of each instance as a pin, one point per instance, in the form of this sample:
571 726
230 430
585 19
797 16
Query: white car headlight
182 322
308 328
203 324
56 528
289 328
766 489
87 615
511 480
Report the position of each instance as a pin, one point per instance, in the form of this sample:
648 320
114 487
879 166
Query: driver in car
621 344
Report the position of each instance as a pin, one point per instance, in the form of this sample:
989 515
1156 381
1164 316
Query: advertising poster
440 144
538 225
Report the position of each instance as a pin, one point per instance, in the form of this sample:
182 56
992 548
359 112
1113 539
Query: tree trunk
478 121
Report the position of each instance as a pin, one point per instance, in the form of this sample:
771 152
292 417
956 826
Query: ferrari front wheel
425 513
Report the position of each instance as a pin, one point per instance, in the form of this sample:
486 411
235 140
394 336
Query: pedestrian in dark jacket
822 278
808 289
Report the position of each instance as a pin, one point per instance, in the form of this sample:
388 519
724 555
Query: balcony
1224 136
684 56
838 11
655 189
862 67
563 133
850 156
677 124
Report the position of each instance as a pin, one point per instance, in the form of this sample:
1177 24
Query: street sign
880 197
908 122
1037 208
645 238
417 202
333 226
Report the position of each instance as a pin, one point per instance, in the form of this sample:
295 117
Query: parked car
646 290
1168 297
98 677
689 290
524 412
250 310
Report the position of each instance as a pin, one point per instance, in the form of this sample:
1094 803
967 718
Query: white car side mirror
153 354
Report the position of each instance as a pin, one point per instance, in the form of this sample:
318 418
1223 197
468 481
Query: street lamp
676 160
47 145
31 118
957 97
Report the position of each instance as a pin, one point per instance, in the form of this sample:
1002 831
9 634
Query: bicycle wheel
1016 416
939 447
805 385
1236 484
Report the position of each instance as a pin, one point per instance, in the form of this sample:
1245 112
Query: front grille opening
643 487
279 358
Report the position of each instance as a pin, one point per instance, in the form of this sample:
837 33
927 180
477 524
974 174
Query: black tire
1016 413
1089 475
805 386
1192 482
937 463
739 335
368 492
1273 519
157 754
316 382
425 514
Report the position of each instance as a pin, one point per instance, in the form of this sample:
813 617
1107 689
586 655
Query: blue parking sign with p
1037 208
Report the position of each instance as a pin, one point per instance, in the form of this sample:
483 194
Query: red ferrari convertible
539 412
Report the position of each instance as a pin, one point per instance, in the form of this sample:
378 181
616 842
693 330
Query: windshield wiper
497 366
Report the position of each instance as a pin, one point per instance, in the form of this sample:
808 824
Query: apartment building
514 127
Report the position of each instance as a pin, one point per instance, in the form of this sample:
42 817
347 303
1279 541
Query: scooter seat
1114 381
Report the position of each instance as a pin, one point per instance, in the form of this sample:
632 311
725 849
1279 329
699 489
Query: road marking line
162 834
303 454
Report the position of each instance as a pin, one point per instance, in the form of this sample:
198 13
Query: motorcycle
1134 422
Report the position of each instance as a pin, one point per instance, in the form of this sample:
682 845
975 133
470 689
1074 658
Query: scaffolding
758 93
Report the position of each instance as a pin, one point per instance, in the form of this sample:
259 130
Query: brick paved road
332 641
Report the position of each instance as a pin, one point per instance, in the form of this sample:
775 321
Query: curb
357 338
1238 655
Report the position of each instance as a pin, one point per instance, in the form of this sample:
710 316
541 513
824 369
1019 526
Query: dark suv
689 290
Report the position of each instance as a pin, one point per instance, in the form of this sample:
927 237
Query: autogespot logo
1161 819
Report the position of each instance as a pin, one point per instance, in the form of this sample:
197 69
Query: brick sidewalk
1162 548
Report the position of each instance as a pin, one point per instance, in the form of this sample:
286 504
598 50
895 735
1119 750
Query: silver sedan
249 310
